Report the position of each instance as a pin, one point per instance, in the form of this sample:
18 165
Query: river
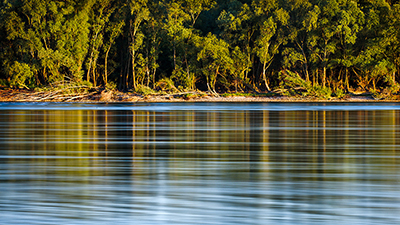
200 163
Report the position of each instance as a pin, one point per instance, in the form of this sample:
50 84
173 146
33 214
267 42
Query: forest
307 47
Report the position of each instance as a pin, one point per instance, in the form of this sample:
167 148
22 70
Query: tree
376 55
50 36
215 58
332 26
296 54
113 30
218 45
181 18
271 34
139 14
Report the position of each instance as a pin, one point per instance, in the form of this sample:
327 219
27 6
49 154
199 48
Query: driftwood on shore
90 95
103 95
60 95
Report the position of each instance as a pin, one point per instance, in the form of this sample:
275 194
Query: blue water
159 107
199 163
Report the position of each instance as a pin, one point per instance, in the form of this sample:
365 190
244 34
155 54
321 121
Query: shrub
20 74
4 83
339 93
291 80
144 90
319 92
166 84
111 86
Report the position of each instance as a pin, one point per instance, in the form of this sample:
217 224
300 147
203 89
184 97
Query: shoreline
102 96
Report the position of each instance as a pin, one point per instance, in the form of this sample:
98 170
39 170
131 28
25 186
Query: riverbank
101 95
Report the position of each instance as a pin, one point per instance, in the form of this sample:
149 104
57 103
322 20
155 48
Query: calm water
199 163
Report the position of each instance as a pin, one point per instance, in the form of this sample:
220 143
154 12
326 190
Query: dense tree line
214 45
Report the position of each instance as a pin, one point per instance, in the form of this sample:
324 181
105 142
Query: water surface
199 163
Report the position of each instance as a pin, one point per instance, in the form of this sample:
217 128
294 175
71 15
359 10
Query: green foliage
67 88
294 85
303 47
4 83
21 75
339 93
389 93
215 58
319 92
144 90
166 84
189 96
52 37
238 94
111 86
291 80
181 79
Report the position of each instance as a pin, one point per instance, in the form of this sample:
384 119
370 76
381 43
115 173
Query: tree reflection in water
186 164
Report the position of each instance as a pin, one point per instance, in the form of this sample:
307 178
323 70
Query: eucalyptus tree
273 22
264 49
48 39
72 40
113 29
296 55
394 40
139 14
178 33
154 34
332 27
349 24
215 58
376 59
104 31
181 18
238 28
320 40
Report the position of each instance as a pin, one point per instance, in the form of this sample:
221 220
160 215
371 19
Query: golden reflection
265 136
106 132
308 163
133 133
74 142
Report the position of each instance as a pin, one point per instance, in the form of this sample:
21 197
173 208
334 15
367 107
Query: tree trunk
347 81
174 46
127 68
265 77
133 69
316 77
373 84
188 71
305 66
105 79
147 67
89 69
154 78
94 77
